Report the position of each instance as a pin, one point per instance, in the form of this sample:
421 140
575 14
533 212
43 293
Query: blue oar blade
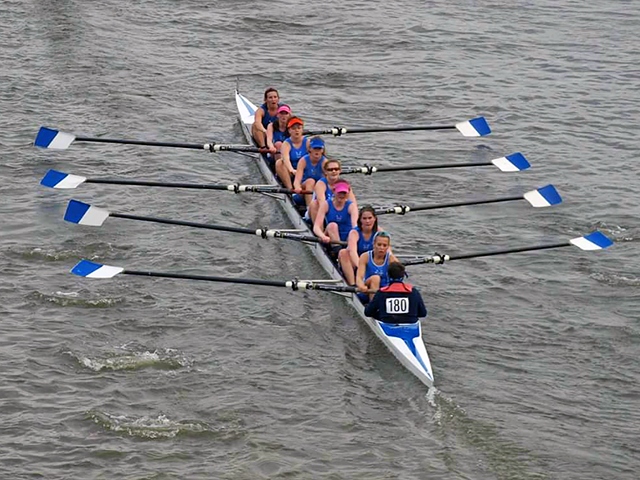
512 163
85 268
543 197
593 241
53 139
61 180
476 127
85 214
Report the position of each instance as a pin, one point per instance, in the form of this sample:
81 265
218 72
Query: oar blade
53 139
85 268
476 127
61 180
593 241
543 197
85 214
512 163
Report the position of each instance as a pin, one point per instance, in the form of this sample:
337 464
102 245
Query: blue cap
316 143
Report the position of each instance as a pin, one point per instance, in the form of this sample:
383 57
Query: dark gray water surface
535 355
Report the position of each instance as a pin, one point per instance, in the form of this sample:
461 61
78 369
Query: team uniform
295 154
398 302
341 217
267 118
364 245
313 171
380 270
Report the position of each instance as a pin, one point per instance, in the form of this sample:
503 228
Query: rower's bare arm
257 120
270 144
297 181
318 225
353 211
352 247
352 197
362 267
285 150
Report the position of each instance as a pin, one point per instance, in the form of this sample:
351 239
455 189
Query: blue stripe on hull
406 333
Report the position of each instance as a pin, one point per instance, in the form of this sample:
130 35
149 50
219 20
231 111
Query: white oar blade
61 180
476 127
593 241
85 268
53 139
543 197
512 163
85 214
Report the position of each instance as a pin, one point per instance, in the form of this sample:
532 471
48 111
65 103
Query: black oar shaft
509 250
433 167
142 183
184 223
338 131
370 169
209 278
196 146
414 208
261 232
292 284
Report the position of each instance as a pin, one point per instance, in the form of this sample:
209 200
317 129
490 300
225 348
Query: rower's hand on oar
364 289
325 239
293 172
273 150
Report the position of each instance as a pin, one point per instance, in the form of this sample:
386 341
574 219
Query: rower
264 115
277 132
398 302
372 271
360 240
323 190
340 214
292 150
309 169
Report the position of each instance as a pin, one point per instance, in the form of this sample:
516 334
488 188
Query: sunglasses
333 169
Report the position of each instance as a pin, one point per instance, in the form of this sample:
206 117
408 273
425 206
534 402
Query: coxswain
264 115
277 132
292 150
360 241
398 302
323 190
340 215
373 266
309 169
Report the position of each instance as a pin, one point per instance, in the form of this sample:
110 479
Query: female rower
340 215
292 150
265 114
277 131
309 169
323 190
360 241
373 265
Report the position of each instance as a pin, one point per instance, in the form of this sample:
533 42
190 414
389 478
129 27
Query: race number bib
397 305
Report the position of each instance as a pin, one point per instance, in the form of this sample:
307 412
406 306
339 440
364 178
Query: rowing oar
593 241
510 163
476 127
61 180
57 140
88 269
541 197
85 214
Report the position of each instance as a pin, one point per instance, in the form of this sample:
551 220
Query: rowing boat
404 340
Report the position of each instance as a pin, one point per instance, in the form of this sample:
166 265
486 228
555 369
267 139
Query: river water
535 355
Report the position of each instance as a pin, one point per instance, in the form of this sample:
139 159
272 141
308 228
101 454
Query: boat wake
161 359
73 299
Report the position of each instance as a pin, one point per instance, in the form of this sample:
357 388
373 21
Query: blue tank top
341 217
266 118
295 154
311 171
328 193
381 270
364 245
278 135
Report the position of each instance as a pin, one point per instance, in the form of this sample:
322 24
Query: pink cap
284 108
341 187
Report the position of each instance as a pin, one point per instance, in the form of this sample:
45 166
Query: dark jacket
397 303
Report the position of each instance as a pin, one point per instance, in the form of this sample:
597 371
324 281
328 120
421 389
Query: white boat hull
404 341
